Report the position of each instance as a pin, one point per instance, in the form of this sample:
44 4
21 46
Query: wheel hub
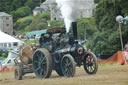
90 64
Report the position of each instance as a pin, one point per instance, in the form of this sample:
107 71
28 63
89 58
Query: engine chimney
74 27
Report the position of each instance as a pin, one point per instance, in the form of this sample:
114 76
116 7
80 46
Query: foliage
96 1
29 42
12 5
23 22
39 22
103 34
31 23
56 24
86 27
107 38
19 8
21 12
9 5
3 54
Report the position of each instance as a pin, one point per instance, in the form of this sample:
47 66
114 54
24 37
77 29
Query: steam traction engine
59 54
63 55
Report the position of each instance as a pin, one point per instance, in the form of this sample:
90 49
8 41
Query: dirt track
108 74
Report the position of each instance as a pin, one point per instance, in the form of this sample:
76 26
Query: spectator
50 37
42 40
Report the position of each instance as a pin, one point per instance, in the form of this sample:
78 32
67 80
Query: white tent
7 41
5 38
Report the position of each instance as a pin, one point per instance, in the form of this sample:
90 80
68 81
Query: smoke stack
74 27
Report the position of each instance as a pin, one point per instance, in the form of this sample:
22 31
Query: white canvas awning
5 38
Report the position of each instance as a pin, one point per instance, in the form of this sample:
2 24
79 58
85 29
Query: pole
121 40
120 25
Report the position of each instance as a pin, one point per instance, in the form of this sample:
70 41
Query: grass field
108 74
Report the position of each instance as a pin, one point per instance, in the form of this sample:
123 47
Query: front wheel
68 65
90 63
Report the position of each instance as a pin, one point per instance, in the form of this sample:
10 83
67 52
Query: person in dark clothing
42 40
50 37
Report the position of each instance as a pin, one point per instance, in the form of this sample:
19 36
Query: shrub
21 12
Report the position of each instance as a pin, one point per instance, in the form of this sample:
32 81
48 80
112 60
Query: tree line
101 30
19 8
106 40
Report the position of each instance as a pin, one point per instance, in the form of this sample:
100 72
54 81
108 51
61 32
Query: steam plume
70 10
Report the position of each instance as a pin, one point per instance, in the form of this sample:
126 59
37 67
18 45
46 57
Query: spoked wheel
68 66
42 63
18 73
90 63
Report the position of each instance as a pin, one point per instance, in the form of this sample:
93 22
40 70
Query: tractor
62 54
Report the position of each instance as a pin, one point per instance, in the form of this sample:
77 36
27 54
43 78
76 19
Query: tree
106 39
86 28
22 23
12 6
39 22
33 3
5 5
21 12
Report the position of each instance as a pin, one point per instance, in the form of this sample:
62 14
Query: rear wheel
18 73
68 65
42 63
90 63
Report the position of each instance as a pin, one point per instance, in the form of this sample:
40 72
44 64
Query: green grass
3 58
28 42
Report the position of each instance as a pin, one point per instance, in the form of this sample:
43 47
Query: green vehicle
62 54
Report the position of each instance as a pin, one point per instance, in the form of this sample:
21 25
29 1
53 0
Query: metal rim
90 64
68 66
40 64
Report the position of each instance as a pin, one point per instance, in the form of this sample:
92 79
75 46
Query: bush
23 22
107 38
21 12
56 24
86 28
45 15
39 21
3 54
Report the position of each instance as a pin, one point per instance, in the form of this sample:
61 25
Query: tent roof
5 38
36 32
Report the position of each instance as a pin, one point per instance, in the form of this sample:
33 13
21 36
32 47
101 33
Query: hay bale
26 54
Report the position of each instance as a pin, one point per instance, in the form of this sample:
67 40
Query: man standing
42 40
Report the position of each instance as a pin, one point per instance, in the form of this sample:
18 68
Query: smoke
70 10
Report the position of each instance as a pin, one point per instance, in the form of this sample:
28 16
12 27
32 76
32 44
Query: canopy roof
36 32
5 38
52 30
